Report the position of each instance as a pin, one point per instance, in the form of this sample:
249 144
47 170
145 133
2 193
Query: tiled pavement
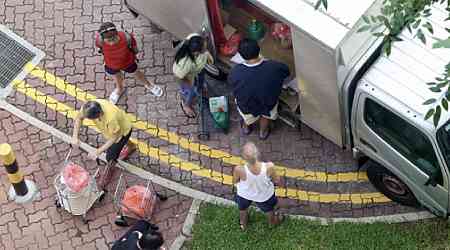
40 225
64 29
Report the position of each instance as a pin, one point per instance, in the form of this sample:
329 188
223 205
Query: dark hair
106 27
194 44
152 240
92 110
249 49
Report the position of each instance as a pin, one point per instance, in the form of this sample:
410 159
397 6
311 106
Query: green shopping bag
218 107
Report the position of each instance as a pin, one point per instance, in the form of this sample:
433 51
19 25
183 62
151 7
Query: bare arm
76 128
105 146
273 174
236 175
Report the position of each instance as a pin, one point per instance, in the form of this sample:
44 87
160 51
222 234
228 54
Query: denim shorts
265 206
189 92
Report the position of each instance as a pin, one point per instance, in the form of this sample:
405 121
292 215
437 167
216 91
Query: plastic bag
136 200
282 33
231 46
75 177
218 107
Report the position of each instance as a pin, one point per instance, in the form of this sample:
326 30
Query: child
119 53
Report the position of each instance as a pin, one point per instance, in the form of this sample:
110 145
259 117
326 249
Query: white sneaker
114 97
155 90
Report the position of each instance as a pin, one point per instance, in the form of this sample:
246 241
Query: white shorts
250 119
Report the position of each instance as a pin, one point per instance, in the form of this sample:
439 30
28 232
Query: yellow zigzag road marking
197 147
169 159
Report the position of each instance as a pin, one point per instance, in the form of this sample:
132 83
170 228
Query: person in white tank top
254 182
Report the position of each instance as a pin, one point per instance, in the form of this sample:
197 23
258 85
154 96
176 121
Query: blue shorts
265 206
188 93
129 69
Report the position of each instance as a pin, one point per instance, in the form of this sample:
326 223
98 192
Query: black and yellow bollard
21 190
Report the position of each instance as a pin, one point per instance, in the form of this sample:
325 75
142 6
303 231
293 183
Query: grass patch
218 228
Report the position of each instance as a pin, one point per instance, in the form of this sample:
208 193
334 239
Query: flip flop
245 131
125 153
186 113
155 90
281 218
242 226
264 135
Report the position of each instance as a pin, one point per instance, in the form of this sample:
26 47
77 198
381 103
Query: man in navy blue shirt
256 86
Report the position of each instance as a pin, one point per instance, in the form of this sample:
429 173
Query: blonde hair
250 153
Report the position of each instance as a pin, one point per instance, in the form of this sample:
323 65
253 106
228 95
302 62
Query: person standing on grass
254 182
119 52
190 60
112 122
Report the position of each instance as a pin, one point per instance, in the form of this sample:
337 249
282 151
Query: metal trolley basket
77 203
148 205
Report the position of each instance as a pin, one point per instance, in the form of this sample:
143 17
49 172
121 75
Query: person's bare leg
141 77
106 175
263 125
131 146
273 218
243 218
119 78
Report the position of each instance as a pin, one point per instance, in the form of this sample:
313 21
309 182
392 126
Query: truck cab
408 155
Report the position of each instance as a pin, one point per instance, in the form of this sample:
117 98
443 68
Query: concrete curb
186 232
199 195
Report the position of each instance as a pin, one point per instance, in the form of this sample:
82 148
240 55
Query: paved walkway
40 225
321 179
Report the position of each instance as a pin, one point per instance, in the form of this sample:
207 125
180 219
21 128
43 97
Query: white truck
347 90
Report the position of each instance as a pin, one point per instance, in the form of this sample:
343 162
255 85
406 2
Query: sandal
186 113
126 152
280 218
263 135
155 90
242 226
246 130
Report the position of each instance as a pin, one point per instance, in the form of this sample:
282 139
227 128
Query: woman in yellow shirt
115 127
190 60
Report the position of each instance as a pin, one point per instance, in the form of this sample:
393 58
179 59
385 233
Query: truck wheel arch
390 185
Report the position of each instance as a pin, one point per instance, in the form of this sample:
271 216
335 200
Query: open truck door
180 18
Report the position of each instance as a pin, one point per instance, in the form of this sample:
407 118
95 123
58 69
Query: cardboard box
228 30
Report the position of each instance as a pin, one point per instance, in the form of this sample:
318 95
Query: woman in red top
119 52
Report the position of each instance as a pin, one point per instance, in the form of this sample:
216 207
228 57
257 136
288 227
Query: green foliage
217 228
410 14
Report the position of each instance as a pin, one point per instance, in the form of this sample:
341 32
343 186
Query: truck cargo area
236 17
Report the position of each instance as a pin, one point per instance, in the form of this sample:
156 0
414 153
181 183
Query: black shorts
113 152
265 206
129 69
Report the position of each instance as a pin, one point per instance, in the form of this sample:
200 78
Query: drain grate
13 58
17 57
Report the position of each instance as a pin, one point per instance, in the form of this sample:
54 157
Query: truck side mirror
430 170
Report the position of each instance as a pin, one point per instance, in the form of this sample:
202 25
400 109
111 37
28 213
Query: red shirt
117 56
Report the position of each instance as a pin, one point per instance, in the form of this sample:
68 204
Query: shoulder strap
129 43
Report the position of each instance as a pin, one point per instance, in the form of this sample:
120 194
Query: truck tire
390 185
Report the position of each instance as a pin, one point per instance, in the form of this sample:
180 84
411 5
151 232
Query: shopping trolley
77 203
146 204
213 110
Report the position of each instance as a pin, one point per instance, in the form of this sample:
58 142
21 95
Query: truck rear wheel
390 185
